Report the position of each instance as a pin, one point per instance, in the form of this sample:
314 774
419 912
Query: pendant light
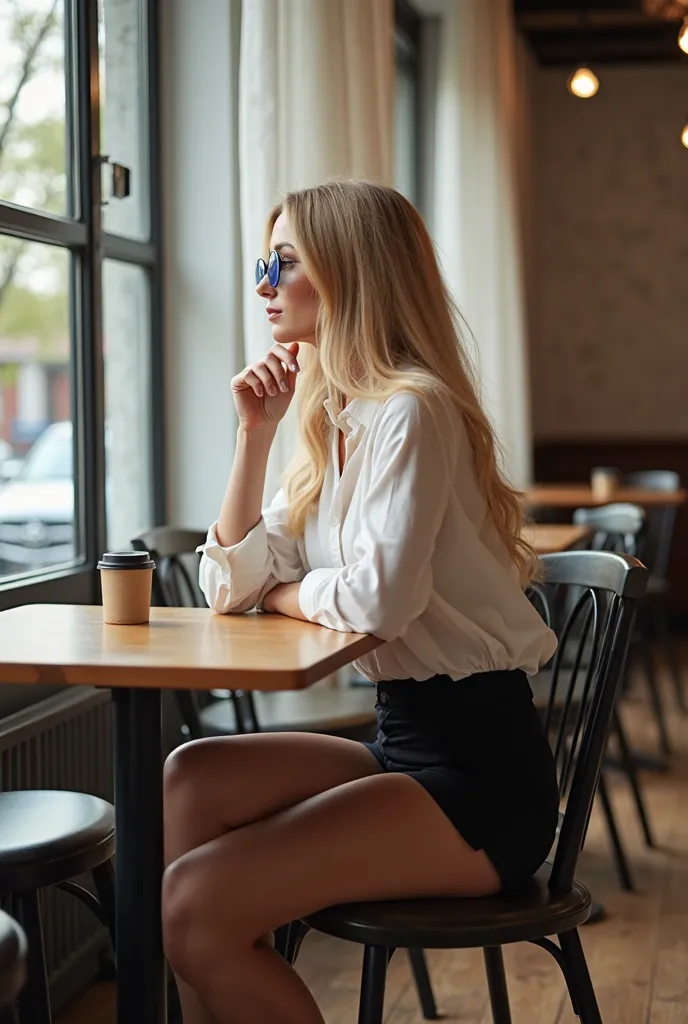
583 83
684 135
683 35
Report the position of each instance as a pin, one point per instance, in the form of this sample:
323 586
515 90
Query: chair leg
421 976
622 867
34 1000
104 881
288 940
667 644
578 978
371 1006
654 693
629 770
496 983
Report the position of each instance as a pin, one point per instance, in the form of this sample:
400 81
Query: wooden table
183 648
580 496
551 538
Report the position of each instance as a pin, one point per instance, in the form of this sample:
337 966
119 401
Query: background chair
49 837
12 966
625 528
656 554
608 587
342 711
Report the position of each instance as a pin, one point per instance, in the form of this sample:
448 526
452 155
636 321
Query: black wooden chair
12 966
341 711
609 587
656 554
48 838
614 528
625 528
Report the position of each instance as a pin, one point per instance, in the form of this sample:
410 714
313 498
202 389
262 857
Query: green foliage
33 277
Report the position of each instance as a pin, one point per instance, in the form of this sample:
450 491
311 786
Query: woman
394 521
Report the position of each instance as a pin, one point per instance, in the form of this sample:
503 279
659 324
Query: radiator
64 742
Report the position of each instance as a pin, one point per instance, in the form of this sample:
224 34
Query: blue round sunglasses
272 268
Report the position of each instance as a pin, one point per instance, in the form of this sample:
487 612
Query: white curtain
480 131
315 101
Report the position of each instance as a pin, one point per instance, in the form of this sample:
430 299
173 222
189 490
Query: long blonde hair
386 324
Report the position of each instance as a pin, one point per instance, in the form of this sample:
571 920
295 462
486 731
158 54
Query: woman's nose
265 289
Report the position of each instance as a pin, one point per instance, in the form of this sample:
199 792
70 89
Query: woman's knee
188 923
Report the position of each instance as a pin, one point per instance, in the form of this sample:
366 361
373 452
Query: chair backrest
584 676
173 584
616 527
660 519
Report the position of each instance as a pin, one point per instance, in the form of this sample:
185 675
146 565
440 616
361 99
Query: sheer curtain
478 202
315 101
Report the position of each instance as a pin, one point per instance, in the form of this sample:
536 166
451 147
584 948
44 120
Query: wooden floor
638 957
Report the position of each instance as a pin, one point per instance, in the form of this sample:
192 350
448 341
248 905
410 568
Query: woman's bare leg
216 785
375 837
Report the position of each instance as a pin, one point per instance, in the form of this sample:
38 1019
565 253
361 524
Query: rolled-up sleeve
389 583
237 578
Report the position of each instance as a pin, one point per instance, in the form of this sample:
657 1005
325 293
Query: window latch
115 180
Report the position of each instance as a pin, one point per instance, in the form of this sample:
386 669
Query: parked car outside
37 505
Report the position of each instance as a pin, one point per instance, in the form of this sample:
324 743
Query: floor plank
638 957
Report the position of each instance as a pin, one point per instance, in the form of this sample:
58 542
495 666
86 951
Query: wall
202 251
610 303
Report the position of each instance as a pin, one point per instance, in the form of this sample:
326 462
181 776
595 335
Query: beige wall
609 318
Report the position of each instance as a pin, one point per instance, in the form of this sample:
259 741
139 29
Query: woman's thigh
381 837
216 785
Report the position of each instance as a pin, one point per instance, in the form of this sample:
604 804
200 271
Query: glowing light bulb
684 136
583 83
683 35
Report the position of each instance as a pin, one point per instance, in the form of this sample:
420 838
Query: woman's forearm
242 504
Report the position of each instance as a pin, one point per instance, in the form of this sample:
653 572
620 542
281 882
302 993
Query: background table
580 496
550 538
183 648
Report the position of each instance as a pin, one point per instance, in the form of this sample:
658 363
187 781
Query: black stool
12 966
47 837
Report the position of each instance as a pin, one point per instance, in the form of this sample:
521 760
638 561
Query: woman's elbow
223 602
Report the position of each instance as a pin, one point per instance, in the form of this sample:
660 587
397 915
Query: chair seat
531 913
12 959
322 710
48 836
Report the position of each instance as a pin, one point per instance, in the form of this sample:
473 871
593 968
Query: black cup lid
126 560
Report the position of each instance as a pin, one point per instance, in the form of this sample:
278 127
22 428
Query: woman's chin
283 335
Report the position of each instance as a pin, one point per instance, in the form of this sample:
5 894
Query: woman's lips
273 313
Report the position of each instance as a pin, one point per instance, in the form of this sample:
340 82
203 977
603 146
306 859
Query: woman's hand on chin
284 600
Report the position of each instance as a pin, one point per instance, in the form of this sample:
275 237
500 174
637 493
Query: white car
37 505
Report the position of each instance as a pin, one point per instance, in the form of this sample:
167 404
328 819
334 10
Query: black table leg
141 997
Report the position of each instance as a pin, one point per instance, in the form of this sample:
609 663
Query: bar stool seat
12 959
47 836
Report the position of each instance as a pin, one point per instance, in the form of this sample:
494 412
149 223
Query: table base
141 995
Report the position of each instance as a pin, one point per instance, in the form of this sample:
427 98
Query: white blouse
398 546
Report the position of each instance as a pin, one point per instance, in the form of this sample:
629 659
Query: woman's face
291 307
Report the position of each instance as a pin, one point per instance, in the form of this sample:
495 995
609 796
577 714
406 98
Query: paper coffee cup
126 579
604 482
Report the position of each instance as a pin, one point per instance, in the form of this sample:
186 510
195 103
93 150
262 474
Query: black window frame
89 245
407 41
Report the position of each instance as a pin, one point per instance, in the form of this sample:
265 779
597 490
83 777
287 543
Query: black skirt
478 747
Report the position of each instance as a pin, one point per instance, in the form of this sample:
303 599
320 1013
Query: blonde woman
394 520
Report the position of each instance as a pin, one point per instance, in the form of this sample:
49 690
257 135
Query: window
80 304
